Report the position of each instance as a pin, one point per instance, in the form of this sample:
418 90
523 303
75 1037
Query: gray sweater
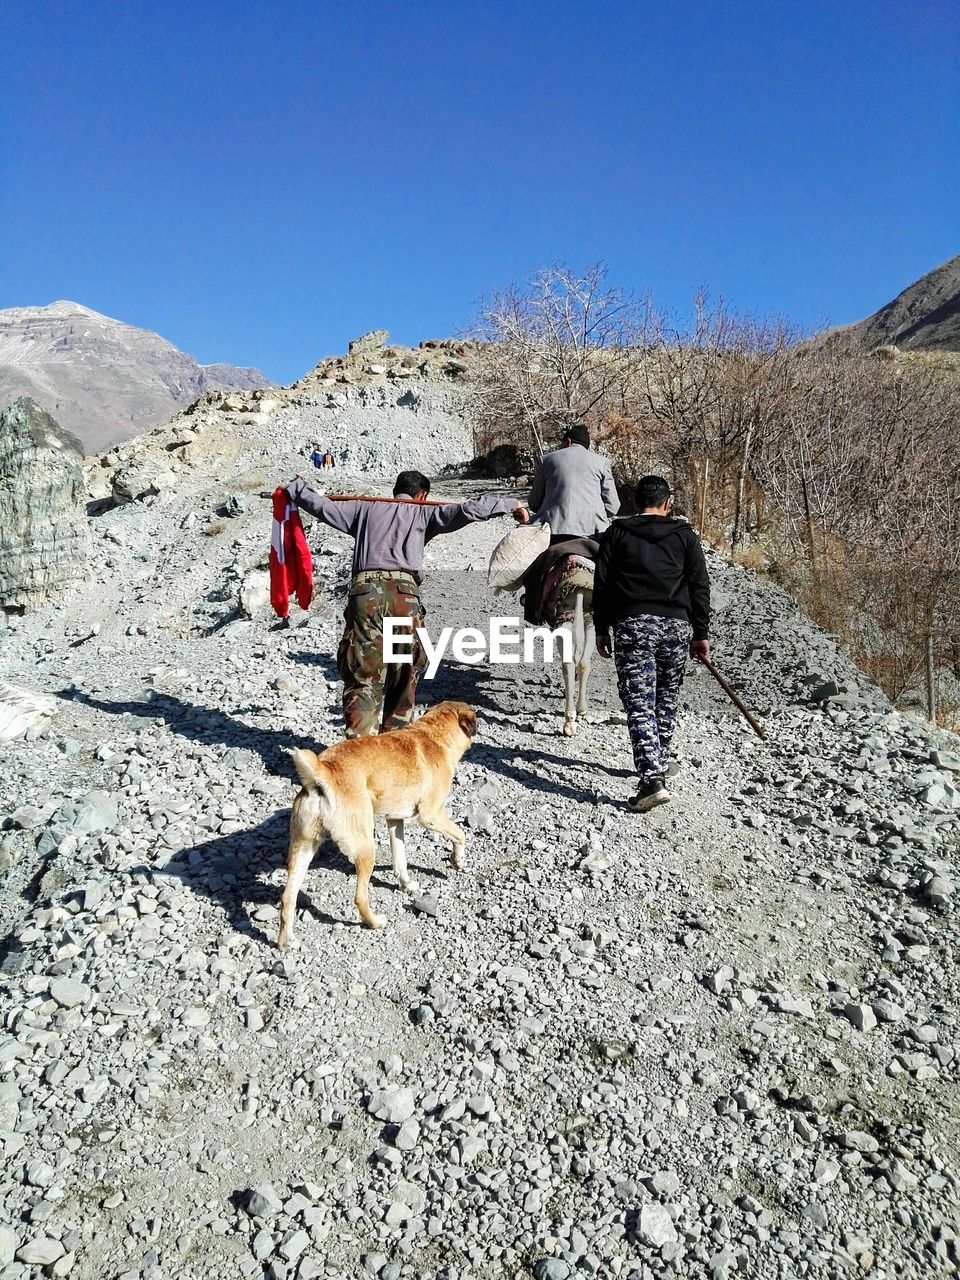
390 535
574 492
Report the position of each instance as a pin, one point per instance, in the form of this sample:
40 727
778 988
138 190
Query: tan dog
403 774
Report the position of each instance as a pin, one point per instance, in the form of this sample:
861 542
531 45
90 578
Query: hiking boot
649 797
673 768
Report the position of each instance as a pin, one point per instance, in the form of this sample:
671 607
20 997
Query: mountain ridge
101 378
924 316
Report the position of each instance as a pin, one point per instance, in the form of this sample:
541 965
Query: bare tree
558 347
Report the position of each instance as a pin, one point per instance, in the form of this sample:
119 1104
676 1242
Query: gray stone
293 1245
372 341
97 812
262 1201
41 1251
254 594
23 713
720 980
941 795
860 1016
665 1182
857 1140
656 1225
551 1269
900 1177
407 1136
939 890
888 1011
829 689
141 478
69 992
392 1105
44 535
8 1245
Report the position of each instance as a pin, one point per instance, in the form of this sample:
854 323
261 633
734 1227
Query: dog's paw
457 860
290 943
410 886
376 922
569 728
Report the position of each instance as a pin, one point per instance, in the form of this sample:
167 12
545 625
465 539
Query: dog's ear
468 721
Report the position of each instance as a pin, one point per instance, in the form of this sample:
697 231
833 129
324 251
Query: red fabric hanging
291 568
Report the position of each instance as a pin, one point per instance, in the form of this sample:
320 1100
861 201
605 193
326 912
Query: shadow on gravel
207 725
232 872
504 760
313 658
489 694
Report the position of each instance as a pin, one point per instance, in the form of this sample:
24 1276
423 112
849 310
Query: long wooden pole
753 723
360 497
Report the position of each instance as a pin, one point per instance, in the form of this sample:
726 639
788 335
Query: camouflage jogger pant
378 695
651 656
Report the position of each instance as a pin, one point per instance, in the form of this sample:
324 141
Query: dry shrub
838 466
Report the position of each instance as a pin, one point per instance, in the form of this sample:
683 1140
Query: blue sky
260 182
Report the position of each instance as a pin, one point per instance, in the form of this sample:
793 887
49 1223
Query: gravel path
720 1039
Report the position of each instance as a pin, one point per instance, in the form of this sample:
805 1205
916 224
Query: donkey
568 608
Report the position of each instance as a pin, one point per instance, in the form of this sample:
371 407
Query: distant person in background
573 490
651 590
328 462
316 457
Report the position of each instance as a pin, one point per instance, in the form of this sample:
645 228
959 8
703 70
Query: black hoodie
651 564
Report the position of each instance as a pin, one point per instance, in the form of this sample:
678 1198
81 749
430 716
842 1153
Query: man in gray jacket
573 490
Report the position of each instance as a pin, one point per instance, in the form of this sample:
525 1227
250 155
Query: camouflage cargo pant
650 655
377 695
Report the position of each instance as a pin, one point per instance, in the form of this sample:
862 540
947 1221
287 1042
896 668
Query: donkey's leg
583 664
570 683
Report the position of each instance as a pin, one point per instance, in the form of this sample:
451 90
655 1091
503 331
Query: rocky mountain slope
379 409
101 379
722 1039
925 316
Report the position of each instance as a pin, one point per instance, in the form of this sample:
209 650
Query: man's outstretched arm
339 515
457 515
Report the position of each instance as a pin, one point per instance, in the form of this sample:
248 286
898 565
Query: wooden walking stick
753 723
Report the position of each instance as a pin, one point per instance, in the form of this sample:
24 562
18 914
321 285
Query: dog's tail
307 765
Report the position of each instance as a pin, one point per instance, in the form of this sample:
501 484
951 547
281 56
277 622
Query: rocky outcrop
103 380
368 342
44 537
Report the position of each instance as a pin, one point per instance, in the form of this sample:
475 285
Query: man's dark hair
578 434
410 483
652 491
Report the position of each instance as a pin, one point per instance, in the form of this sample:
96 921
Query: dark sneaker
649 797
673 768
